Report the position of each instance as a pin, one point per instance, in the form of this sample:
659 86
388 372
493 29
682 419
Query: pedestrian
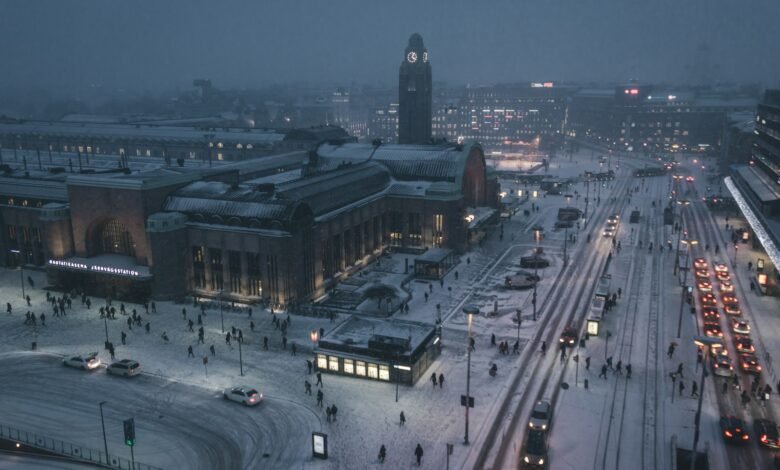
745 398
189 351
319 379
147 326
293 349
620 292
227 338
327 413
694 389
124 337
603 372
619 368
544 347
28 300
681 387
609 363
184 313
516 348
190 324
382 454
111 350
129 323
333 411
680 370
472 344
265 343
492 339
403 419
309 365
212 350
154 307
418 452
670 351
43 322
320 396
252 326
587 363
441 380
563 354
725 388
628 371
164 336
307 386
433 380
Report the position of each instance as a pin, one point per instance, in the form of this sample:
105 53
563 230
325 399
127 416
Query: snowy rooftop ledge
755 223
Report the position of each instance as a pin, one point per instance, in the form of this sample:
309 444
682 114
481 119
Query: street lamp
103 424
314 335
240 356
706 343
221 311
537 236
682 203
105 323
470 311
688 243
519 312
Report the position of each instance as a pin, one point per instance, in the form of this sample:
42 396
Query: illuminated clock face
411 57
425 57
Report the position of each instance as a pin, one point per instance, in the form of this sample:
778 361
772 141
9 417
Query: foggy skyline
66 47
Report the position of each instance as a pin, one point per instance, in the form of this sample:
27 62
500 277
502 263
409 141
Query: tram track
542 371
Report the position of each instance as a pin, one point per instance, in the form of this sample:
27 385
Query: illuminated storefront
387 351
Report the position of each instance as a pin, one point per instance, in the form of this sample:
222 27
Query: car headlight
541 461
544 427
526 459
530 425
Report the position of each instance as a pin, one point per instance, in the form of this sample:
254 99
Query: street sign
129 432
319 445
463 401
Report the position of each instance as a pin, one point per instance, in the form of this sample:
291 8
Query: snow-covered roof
34 188
355 333
87 131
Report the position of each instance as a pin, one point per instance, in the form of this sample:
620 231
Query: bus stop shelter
434 263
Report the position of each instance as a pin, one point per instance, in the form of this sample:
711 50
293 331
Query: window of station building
373 371
333 363
349 366
11 201
396 238
217 280
384 372
199 272
322 361
360 368
253 273
12 233
113 237
220 156
234 266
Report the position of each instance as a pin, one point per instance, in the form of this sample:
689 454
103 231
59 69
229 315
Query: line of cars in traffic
733 428
243 394
534 453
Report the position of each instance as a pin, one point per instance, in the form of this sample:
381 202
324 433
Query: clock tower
415 94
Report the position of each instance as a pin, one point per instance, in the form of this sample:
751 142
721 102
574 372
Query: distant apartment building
639 118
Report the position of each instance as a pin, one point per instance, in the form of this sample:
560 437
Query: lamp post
105 324
221 311
682 203
734 263
519 312
103 424
537 235
706 343
470 311
240 356
688 243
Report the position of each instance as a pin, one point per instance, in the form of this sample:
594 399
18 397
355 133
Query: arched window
113 237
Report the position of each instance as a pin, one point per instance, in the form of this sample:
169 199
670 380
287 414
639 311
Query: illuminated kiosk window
349 366
373 371
360 368
322 361
384 372
333 363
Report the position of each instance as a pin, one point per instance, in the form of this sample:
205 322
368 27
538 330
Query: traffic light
129 432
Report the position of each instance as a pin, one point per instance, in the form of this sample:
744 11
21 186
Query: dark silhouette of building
415 94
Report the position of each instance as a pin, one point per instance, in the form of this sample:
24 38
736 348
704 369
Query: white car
721 366
540 416
86 362
125 367
243 394
740 326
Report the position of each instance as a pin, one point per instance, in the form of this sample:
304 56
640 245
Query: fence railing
70 450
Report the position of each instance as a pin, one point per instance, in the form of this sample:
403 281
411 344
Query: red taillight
763 438
745 437
727 433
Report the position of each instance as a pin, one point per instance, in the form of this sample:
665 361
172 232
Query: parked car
86 362
125 367
243 394
766 433
733 430
740 326
534 453
749 363
540 415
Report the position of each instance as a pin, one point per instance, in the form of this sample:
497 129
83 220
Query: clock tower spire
415 94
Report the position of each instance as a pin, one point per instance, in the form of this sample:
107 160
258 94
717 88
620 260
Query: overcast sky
163 44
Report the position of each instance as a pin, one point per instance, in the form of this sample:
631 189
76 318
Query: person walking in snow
227 338
320 396
619 368
147 326
319 380
190 325
382 454
327 413
587 363
124 337
694 389
189 352
213 351
603 372
681 387
441 381
544 347
309 365
433 379
418 452
164 336
680 370
333 411
628 371
670 351
403 419
307 387
265 343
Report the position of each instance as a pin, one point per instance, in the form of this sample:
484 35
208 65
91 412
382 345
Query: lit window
322 361
333 363
220 156
360 368
384 372
349 366
373 371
